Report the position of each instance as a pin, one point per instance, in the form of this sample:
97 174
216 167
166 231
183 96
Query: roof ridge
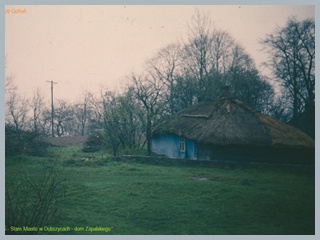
195 116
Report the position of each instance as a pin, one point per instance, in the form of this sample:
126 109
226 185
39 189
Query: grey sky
82 47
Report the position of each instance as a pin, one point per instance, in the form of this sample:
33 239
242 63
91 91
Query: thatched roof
228 121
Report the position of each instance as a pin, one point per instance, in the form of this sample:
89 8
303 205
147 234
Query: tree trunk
149 134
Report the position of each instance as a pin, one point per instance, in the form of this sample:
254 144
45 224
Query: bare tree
166 66
82 111
46 121
123 121
222 51
32 202
64 116
37 104
97 109
148 90
291 52
16 106
206 61
246 83
197 50
208 56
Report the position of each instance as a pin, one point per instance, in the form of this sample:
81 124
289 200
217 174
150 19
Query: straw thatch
228 121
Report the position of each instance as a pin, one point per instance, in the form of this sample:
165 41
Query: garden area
72 192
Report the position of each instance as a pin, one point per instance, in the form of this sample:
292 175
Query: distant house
227 129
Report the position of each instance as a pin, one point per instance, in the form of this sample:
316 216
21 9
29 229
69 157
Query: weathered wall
169 145
256 154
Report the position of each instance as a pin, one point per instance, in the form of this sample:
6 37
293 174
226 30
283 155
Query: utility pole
52 111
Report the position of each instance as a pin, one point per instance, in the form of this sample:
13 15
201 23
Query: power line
52 110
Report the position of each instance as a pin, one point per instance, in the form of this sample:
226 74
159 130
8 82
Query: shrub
26 142
32 202
93 143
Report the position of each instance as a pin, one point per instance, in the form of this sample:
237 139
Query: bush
93 143
26 142
32 201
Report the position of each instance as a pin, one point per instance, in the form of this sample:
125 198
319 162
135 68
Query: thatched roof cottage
227 129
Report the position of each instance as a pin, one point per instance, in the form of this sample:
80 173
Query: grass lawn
151 197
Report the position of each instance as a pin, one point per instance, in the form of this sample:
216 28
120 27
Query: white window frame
182 144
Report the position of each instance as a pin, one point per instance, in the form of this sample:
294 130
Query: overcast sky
83 47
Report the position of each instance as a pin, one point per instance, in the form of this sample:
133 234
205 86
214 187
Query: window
182 144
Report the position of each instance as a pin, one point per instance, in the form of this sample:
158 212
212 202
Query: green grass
154 197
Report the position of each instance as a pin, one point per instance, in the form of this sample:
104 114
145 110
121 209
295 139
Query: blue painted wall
169 145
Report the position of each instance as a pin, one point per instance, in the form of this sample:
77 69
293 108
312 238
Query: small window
182 144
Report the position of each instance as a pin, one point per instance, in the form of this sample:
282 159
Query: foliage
31 201
94 143
23 142
123 122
